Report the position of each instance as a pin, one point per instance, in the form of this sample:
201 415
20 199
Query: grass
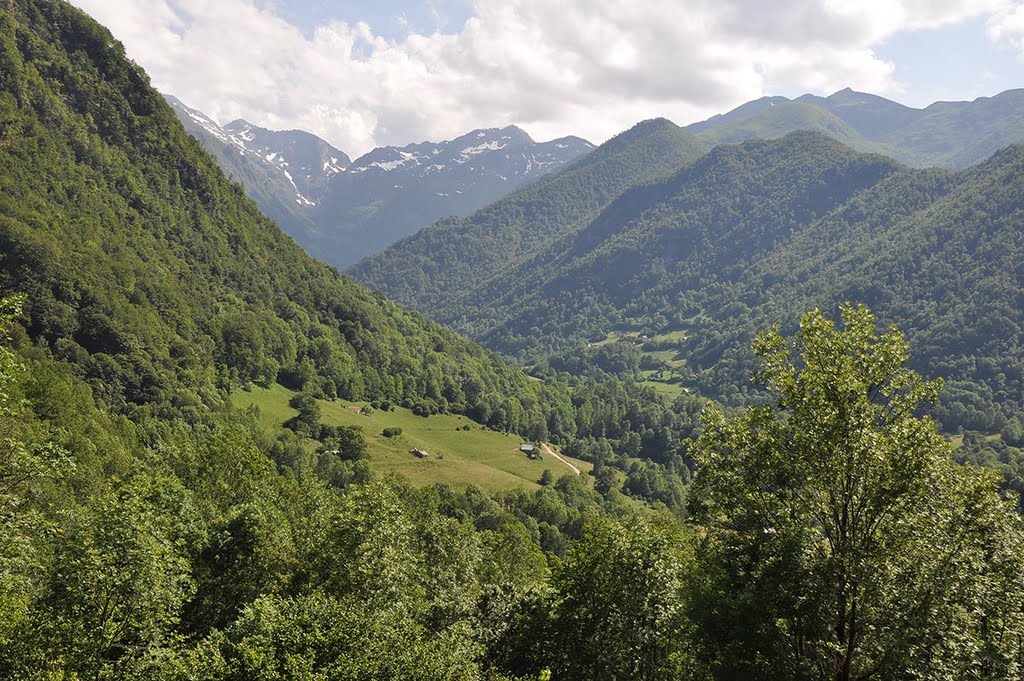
672 391
958 440
671 337
666 381
478 456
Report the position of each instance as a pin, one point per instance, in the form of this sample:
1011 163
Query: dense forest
148 530
754 234
165 287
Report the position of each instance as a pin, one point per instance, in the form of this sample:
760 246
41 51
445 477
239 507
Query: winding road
548 450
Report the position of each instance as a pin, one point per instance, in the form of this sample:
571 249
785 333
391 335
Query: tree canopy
841 541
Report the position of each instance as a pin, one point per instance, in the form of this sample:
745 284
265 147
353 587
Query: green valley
683 439
753 234
461 452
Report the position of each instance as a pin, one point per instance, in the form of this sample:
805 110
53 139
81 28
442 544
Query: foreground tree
617 611
841 542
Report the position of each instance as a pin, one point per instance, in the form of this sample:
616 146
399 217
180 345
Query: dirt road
549 451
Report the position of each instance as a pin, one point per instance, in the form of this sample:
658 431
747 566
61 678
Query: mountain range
692 264
212 446
952 135
341 210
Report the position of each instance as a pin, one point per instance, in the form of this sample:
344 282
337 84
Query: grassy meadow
476 456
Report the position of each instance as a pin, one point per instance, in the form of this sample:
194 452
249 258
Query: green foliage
841 541
1013 432
993 452
435 269
121 574
307 421
618 609
946 134
316 638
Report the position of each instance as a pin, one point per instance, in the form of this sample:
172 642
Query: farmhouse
529 450
419 453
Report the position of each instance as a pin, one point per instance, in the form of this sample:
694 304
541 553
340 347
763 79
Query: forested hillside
703 226
941 256
157 278
951 135
751 235
439 266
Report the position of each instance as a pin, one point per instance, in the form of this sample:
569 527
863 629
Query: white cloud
1007 27
571 67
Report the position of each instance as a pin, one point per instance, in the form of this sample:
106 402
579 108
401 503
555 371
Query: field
668 378
478 456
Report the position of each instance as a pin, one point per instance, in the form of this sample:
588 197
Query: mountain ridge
506 233
342 209
930 136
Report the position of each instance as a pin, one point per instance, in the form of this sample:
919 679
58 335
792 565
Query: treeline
155 277
158 550
753 234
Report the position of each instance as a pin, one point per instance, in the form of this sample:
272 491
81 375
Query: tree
1013 432
841 540
546 478
120 575
308 418
617 613
24 464
322 637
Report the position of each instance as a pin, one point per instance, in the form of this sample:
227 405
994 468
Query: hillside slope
940 255
156 276
952 135
437 269
341 210
701 228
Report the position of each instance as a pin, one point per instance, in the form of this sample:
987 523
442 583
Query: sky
366 73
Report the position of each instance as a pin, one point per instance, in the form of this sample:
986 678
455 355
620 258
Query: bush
392 432
1013 432
306 421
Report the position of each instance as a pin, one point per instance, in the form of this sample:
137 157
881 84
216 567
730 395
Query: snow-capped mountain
391 192
342 210
506 153
306 161
294 158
